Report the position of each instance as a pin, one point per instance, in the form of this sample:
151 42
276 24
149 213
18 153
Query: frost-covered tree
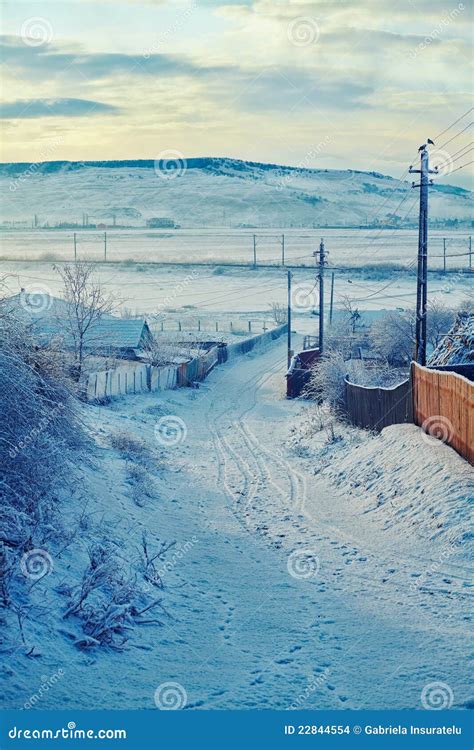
87 304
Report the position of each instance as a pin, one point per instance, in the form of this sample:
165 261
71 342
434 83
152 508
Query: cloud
51 59
32 108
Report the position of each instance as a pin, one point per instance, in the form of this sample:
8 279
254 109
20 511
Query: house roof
46 313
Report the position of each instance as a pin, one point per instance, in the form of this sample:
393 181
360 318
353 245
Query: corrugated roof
45 314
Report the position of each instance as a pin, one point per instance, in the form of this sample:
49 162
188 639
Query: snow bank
404 479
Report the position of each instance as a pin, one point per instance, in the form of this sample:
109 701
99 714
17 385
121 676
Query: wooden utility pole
75 247
444 255
290 352
105 246
322 260
282 249
254 250
331 304
422 277
470 252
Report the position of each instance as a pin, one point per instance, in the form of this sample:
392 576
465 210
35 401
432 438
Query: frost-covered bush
327 378
39 435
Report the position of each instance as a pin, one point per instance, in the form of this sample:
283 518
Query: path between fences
132 378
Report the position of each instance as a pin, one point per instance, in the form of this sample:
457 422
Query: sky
338 84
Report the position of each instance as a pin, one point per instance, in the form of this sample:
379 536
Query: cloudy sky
325 83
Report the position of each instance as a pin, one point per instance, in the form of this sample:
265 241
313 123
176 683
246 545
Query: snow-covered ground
345 247
207 293
282 590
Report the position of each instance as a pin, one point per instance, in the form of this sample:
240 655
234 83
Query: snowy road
246 632
251 625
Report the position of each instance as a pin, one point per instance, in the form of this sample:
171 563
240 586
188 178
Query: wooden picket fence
443 406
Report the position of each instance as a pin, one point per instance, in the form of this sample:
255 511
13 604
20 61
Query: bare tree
438 322
393 336
352 312
87 304
279 312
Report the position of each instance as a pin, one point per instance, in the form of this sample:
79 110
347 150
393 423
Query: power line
455 136
449 162
457 169
454 123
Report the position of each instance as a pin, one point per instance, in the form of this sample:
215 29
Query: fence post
179 325
250 325
217 326
105 246
470 252
444 255
75 247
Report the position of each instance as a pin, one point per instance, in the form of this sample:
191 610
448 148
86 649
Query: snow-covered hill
214 192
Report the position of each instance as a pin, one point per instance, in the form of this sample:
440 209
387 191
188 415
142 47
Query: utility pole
332 299
444 255
282 249
75 247
322 261
470 252
422 277
255 251
290 352
105 246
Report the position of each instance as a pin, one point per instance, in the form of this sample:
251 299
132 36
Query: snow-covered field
233 295
283 590
345 247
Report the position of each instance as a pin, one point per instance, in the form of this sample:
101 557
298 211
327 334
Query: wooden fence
443 405
440 402
376 408
131 378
